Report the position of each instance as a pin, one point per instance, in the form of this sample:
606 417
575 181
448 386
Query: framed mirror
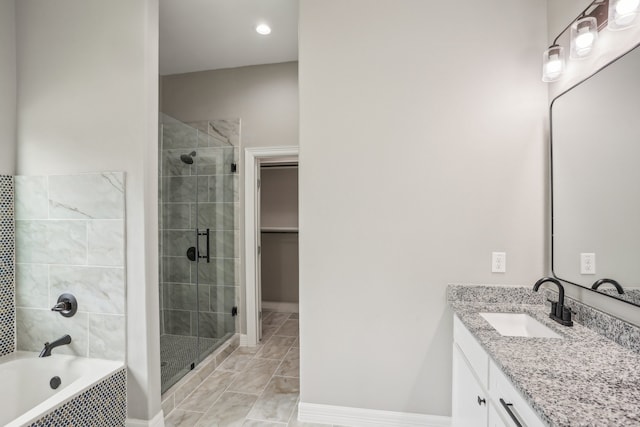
595 168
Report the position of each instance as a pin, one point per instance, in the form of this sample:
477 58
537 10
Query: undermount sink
518 325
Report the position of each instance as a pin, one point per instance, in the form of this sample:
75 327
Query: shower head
188 158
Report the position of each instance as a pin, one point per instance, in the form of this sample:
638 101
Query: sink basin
518 325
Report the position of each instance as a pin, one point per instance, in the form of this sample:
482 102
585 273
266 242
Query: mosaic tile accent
7 265
104 405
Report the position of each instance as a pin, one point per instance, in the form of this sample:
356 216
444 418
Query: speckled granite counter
583 379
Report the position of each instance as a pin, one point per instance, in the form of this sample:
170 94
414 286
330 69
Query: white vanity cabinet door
501 388
469 398
494 418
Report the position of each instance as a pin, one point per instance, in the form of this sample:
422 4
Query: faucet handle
566 316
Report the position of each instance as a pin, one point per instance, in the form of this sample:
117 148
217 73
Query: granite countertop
583 379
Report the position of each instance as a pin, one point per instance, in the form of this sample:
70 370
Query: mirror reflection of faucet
559 312
599 282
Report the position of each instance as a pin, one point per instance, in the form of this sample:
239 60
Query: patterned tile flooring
257 386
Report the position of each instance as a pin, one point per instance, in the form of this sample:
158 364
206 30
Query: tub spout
63 340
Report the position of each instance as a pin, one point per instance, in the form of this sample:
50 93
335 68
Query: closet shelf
278 229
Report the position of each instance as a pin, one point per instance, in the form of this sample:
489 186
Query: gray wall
7 86
88 102
279 209
264 97
422 150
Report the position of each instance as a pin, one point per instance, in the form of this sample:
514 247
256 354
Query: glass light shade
552 63
584 34
622 13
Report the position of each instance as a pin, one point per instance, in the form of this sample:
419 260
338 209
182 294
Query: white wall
88 97
264 97
7 87
422 151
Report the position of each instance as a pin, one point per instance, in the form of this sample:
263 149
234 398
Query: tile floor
257 386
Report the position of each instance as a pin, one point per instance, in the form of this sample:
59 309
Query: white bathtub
25 395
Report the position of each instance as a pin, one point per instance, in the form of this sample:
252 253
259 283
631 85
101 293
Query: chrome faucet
559 312
63 340
599 282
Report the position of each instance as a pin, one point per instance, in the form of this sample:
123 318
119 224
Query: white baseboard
284 307
359 417
157 421
244 340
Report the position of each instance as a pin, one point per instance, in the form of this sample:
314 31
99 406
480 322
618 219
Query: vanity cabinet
481 394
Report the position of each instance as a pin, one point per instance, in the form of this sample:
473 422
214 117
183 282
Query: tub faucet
599 282
63 340
558 313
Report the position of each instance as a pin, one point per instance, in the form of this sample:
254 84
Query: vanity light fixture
584 33
263 29
552 63
622 13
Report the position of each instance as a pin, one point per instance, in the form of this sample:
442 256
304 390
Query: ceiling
197 35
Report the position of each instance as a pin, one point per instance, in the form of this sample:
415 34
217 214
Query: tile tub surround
70 239
583 379
7 266
104 404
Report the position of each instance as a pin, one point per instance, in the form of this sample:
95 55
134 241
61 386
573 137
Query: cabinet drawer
501 388
473 352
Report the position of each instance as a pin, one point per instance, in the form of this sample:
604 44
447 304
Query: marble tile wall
7 283
200 195
70 239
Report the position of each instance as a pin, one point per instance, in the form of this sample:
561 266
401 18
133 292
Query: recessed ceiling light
263 29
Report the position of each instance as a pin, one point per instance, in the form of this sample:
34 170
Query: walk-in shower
198 241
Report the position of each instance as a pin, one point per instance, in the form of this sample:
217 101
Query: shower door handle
208 255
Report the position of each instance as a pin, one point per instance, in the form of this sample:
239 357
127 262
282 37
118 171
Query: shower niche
199 254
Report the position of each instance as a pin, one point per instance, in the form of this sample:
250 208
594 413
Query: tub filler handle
67 305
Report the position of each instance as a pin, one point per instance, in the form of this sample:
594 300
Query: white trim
284 307
360 417
243 340
252 158
157 421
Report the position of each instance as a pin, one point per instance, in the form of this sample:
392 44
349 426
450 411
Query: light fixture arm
594 3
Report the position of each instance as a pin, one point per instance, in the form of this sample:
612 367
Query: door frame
253 156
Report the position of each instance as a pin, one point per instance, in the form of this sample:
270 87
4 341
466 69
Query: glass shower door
199 255
179 193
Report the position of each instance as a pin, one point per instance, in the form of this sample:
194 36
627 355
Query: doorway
280 233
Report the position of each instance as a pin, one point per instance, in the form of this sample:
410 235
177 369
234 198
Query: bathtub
26 395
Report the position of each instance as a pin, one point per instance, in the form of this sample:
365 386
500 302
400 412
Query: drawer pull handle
507 407
481 401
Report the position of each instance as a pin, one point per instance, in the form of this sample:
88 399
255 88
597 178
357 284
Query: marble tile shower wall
70 239
201 195
7 287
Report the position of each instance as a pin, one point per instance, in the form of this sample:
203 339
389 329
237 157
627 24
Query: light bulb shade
622 13
552 63
584 33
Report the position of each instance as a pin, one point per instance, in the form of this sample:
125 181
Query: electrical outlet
498 262
587 263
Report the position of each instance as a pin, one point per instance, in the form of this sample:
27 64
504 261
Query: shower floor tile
177 352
